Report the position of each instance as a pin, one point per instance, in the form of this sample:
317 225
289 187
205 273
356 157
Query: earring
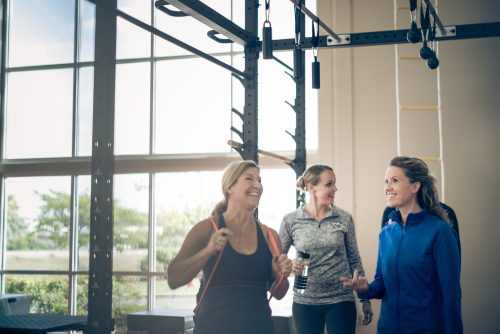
229 191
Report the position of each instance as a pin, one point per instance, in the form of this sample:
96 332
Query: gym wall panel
364 112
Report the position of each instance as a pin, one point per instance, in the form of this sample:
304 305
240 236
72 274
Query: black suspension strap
297 51
425 22
433 62
315 65
413 35
267 34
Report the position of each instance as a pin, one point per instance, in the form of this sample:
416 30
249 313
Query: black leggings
340 318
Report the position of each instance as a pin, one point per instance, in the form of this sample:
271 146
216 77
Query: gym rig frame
101 226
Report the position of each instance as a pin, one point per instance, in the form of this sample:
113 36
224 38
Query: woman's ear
415 187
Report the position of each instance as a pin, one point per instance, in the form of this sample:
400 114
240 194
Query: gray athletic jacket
334 253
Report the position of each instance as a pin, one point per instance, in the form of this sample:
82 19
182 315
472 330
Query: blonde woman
235 300
326 232
418 266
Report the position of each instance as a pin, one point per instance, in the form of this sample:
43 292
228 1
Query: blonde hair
417 171
311 176
231 174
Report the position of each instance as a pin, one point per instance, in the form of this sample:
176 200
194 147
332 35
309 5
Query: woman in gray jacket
326 232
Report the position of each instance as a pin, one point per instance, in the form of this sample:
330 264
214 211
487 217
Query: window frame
75 165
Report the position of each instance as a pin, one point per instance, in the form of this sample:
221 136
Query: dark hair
417 171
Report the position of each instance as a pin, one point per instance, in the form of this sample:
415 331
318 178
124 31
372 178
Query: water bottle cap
305 256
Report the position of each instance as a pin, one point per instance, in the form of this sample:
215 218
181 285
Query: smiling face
400 192
246 191
324 191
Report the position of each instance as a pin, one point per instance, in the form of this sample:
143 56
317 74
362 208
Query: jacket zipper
397 279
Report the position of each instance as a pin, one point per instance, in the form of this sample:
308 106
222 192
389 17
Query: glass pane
132 41
45 26
193 111
278 197
130 240
132 108
87 30
82 295
275 116
83 183
130 295
39 126
181 298
38 222
191 198
48 294
85 110
190 31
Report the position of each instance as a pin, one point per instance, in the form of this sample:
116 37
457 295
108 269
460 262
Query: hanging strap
277 252
213 270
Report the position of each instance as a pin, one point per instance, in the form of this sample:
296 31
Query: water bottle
301 280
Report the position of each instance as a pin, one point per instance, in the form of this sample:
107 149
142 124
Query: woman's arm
200 244
447 260
280 264
285 236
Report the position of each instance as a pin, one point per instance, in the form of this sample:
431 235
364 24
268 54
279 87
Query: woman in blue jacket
418 266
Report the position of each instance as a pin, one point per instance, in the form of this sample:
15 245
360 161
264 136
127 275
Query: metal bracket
290 75
291 105
293 137
160 6
211 34
240 79
237 113
238 132
451 31
344 39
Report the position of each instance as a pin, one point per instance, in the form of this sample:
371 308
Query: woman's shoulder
292 215
337 211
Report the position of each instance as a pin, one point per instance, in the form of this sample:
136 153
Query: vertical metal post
71 285
101 208
300 116
250 119
3 200
3 64
152 243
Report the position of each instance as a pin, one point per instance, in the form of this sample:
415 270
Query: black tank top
236 299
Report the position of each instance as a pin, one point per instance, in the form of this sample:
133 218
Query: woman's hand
367 311
218 241
281 264
357 284
298 267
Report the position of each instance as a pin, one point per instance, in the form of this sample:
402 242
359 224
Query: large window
172 121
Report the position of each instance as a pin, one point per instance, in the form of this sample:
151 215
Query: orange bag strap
277 252
213 270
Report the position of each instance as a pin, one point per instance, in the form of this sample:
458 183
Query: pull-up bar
183 45
435 17
269 154
316 19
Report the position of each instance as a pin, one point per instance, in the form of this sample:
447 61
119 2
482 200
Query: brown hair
311 176
231 174
417 171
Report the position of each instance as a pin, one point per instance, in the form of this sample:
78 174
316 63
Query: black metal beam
101 191
390 37
299 163
216 21
250 110
183 45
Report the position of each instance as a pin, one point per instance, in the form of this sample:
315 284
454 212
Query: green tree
18 237
55 217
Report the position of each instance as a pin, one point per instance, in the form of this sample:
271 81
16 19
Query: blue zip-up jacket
417 277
